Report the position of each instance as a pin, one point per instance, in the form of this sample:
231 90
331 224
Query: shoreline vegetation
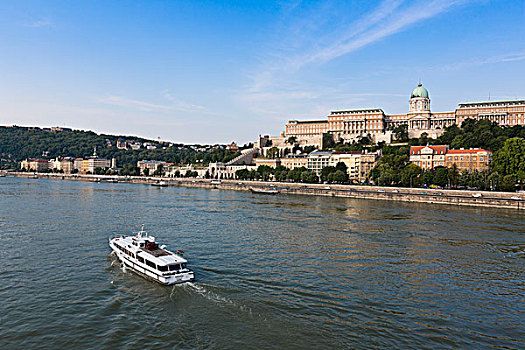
493 199
506 172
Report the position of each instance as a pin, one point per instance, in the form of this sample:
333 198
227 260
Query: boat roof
157 255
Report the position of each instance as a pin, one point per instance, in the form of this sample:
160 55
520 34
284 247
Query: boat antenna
141 231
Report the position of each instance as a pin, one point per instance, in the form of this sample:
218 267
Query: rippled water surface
283 272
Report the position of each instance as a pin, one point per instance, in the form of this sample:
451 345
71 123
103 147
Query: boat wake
205 292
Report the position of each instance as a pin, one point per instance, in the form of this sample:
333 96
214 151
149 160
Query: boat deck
155 252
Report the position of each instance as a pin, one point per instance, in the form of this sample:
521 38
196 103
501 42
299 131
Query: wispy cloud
135 104
173 104
309 37
389 18
41 22
333 39
180 105
509 57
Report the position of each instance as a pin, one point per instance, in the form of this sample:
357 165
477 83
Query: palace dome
420 91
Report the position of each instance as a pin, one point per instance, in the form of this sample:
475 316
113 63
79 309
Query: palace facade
352 124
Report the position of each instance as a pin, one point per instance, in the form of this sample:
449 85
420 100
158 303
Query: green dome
420 91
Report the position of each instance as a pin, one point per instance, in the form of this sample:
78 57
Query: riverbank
492 199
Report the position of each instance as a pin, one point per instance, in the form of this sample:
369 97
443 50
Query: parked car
477 195
327 188
381 191
395 191
438 193
516 198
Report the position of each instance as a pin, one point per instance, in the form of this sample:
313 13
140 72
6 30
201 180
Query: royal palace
352 124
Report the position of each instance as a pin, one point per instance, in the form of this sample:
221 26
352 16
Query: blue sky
217 71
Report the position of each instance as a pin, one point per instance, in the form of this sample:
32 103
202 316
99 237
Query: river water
272 272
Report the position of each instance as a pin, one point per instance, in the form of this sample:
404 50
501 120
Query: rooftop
457 151
375 110
521 101
308 121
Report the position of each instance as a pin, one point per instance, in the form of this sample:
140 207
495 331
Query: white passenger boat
160 184
142 254
264 190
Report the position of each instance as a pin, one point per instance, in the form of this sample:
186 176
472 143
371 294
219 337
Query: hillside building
352 124
429 157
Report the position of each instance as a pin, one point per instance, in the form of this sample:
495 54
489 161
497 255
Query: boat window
162 268
140 259
149 263
183 266
174 267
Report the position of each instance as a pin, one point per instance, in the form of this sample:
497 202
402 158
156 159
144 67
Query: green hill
18 143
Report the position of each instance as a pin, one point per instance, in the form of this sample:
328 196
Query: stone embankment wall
452 197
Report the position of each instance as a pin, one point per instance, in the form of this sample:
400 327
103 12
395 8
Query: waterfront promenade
493 199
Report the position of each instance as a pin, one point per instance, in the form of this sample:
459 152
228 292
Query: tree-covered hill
18 143
479 134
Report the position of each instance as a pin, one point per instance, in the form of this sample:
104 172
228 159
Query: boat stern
178 278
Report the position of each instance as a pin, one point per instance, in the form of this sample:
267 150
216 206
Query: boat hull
258 191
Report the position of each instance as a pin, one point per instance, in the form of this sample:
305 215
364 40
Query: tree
423 139
340 177
242 174
326 171
159 171
410 175
341 166
273 153
510 159
309 176
427 178
98 171
494 180
453 175
280 173
401 132
145 171
509 182
386 178
264 172
309 149
328 141
365 139
291 140
441 176
464 178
